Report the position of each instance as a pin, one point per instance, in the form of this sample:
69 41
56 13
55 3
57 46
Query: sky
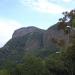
15 14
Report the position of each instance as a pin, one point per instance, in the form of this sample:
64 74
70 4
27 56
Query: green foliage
73 23
31 66
4 72
34 66
68 57
55 64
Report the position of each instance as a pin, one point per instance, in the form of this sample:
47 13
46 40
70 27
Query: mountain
27 39
54 36
23 40
25 30
34 51
32 38
35 41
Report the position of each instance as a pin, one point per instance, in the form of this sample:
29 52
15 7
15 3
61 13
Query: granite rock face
31 38
27 38
25 30
54 36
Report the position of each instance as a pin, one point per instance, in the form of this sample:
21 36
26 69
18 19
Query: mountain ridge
25 30
37 41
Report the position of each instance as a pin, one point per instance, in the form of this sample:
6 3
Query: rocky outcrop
33 40
25 30
53 36
27 39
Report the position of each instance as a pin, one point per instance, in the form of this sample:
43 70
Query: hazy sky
22 13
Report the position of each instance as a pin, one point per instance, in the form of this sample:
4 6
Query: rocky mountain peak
25 30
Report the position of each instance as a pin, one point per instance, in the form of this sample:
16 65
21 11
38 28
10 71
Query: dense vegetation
62 63
43 61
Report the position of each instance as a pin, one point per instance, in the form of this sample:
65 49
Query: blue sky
15 14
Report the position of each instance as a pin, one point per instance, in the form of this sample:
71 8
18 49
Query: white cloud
7 28
44 6
67 1
49 7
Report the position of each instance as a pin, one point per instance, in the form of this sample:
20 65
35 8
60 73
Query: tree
4 72
32 66
73 23
55 64
68 56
